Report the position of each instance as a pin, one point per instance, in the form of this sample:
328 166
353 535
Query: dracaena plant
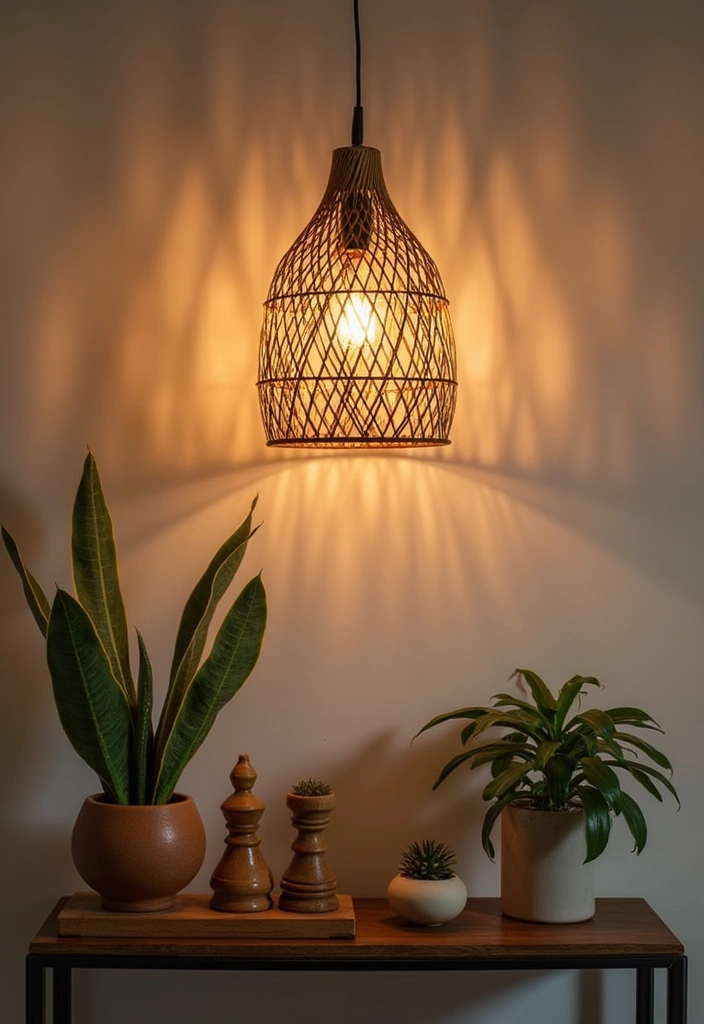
553 756
106 716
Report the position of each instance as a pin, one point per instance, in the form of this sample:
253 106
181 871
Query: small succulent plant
312 787
427 860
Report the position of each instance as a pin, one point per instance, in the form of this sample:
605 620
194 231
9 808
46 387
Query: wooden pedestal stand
308 886
242 881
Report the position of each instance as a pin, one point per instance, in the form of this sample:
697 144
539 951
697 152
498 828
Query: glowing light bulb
357 324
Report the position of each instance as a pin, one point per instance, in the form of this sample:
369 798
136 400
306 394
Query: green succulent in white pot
106 716
557 768
426 890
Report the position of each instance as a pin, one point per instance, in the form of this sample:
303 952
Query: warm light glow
358 322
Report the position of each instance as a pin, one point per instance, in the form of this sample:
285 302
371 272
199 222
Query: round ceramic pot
543 874
422 901
138 857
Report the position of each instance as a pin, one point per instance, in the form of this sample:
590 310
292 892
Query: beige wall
158 159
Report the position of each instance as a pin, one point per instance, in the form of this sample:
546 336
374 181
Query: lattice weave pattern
356 346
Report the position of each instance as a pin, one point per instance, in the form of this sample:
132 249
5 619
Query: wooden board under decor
192 918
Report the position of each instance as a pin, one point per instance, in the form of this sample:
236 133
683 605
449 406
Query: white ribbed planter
543 874
422 901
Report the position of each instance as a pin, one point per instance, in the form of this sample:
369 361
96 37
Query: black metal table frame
645 966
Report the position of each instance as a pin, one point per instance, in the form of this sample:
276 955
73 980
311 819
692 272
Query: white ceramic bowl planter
426 901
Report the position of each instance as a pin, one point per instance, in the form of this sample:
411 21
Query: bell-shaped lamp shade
356 346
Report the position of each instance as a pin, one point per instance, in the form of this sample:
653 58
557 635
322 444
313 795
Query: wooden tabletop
620 928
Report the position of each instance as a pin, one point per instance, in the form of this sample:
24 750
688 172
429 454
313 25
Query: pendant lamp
356 348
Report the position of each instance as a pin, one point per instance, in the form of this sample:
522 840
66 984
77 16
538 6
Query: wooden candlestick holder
308 886
242 881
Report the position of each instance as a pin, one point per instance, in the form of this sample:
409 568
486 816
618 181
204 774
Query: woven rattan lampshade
356 346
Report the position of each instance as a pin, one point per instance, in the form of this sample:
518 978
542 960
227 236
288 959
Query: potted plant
555 783
124 843
308 886
426 889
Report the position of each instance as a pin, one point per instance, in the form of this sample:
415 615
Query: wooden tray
192 918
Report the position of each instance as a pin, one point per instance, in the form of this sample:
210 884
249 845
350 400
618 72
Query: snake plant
553 758
106 716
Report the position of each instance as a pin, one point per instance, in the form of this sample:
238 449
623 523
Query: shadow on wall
556 175
139 263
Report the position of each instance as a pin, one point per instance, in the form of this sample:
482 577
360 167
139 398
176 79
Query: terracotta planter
138 857
426 901
543 874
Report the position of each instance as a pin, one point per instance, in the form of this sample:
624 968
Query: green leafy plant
312 787
107 718
553 758
427 860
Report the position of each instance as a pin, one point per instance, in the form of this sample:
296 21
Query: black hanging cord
358 116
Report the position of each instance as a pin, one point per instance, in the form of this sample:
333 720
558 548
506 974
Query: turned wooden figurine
308 886
242 881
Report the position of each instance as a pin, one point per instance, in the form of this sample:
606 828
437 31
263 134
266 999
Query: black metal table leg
677 992
62 994
645 989
34 991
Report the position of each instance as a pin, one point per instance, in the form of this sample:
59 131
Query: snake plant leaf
234 654
635 820
597 821
95 575
205 595
91 706
143 732
195 622
35 596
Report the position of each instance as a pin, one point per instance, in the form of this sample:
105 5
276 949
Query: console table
625 933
